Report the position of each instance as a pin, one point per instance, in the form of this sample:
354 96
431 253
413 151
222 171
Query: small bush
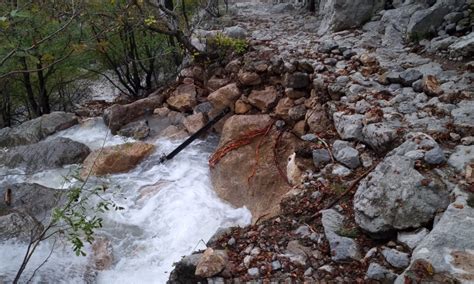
224 44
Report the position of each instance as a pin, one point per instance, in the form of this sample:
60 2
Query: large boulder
261 191
184 270
20 226
395 196
31 198
45 155
225 96
342 14
36 129
448 250
116 159
117 115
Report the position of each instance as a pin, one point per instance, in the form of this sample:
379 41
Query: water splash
169 210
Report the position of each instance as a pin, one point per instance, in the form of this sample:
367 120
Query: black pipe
195 135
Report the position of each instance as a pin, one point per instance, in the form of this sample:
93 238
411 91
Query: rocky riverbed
350 141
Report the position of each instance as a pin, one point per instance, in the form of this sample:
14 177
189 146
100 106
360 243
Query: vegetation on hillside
49 49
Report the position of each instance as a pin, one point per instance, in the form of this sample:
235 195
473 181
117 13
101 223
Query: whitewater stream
170 210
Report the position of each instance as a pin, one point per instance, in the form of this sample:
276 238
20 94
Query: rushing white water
169 210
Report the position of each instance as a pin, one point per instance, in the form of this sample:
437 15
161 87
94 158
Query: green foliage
225 44
349 232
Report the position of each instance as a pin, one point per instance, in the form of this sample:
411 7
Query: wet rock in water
116 159
173 132
380 273
36 129
396 196
412 239
265 99
346 154
19 225
342 248
211 263
117 116
262 192
184 271
45 155
138 130
225 96
194 122
102 253
349 126
396 258
462 156
249 78
463 117
447 252
296 80
183 98
31 198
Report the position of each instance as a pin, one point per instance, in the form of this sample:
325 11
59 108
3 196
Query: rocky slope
352 148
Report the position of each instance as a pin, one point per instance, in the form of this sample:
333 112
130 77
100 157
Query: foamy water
170 209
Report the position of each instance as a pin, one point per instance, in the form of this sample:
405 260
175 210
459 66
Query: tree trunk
29 89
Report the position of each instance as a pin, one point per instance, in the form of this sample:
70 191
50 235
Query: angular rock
396 258
317 119
430 86
396 196
183 98
138 130
340 15
32 198
408 77
225 96
194 122
462 156
342 248
448 249
345 154
297 113
348 126
265 99
412 239
283 107
116 159
425 21
463 117
266 188
241 107
44 155
211 263
379 136
321 157
19 225
117 116
296 80
380 273
37 129
249 78
235 32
